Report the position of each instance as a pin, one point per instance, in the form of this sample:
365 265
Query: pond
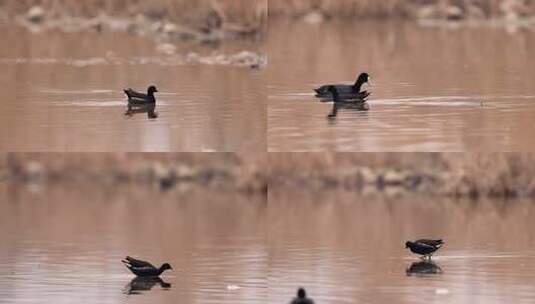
64 92
433 88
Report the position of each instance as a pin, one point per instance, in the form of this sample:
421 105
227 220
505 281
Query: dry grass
458 174
394 8
338 8
198 13
241 171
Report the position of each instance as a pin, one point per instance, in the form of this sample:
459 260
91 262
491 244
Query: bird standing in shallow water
302 297
424 247
143 268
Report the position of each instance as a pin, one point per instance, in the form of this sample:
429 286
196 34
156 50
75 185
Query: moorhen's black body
302 297
143 268
137 98
424 247
345 91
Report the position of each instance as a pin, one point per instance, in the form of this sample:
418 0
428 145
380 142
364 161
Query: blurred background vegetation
233 16
414 9
474 175
242 172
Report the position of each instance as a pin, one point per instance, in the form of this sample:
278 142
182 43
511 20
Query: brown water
346 248
63 92
433 89
64 243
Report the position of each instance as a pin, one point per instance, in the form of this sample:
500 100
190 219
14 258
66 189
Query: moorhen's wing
133 94
137 263
433 243
323 91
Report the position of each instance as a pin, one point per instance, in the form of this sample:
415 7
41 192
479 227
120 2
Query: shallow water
433 88
345 248
61 243
63 92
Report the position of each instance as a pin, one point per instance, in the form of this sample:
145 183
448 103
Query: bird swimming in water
137 98
302 297
143 268
346 92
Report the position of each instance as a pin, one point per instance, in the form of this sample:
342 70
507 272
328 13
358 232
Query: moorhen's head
363 78
152 89
166 266
301 293
408 244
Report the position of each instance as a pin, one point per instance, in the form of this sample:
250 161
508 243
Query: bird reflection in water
140 109
423 268
355 106
141 284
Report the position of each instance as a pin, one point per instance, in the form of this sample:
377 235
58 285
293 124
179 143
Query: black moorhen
345 91
424 247
137 98
143 268
302 297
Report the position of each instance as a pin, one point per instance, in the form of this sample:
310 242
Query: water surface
63 92
433 88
